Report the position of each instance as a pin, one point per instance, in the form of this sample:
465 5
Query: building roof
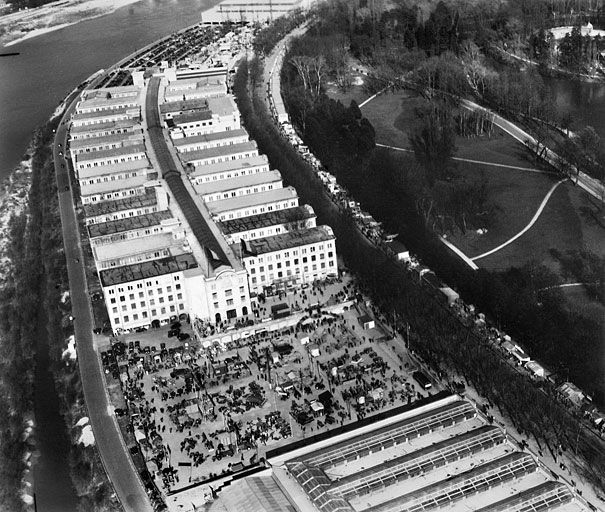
218 151
104 113
147 269
260 198
113 186
263 220
210 137
131 90
257 493
87 142
105 101
195 219
101 170
231 165
128 224
140 245
117 205
283 241
108 125
183 105
222 106
192 117
101 154
248 180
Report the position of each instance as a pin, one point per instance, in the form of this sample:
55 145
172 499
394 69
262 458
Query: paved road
590 185
114 453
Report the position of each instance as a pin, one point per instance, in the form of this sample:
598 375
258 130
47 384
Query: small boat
9 54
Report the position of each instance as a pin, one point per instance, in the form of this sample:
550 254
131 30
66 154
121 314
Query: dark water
32 84
585 101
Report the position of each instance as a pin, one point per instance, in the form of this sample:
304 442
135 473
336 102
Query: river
32 84
584 101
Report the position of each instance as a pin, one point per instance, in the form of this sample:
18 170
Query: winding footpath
526 228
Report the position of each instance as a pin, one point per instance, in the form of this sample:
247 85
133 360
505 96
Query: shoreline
54 16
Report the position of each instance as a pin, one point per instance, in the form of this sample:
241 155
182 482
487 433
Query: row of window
99 120
288 203
146 284
120 215
218 160
112 195
237 192
112 161
127 235
143 303
131 260
144 315
113 177
101 133
229 174
205 145
266 279
103 108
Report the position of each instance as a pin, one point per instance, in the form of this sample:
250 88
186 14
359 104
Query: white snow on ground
70 351
64 297
82 421
87 438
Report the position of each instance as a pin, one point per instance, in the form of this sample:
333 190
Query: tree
434 142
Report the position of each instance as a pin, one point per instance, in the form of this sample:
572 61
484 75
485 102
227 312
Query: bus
422 379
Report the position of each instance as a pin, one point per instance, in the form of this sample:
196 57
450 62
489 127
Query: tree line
451 345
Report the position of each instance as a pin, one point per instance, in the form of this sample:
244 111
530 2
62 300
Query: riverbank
46 447
25 24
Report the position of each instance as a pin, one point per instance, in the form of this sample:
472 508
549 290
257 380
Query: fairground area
315 358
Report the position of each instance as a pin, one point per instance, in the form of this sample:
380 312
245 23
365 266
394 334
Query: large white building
251 11
201 233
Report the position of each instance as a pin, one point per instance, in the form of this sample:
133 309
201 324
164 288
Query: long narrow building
184 216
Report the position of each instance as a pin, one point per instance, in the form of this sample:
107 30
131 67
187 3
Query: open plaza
315 359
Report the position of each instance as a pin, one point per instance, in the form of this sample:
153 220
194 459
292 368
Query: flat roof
139 245
192 117
260 198
100 170
134 135
128 224
126 203
209 137
113 186
130 149
218 151
231 165
105 91
108 125
183 105
247 180
103 113
97 101
222 105
263 220
147 269
283 241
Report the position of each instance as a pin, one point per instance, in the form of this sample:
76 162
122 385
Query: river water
32 84
585 101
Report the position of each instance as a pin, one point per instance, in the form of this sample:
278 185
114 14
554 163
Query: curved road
114 453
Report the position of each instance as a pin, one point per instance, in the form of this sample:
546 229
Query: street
114 453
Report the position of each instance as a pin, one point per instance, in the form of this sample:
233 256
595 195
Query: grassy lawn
558 228
579 301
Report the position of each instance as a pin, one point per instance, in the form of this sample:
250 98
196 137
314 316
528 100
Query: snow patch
64 297
82 421
87 438
70 352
